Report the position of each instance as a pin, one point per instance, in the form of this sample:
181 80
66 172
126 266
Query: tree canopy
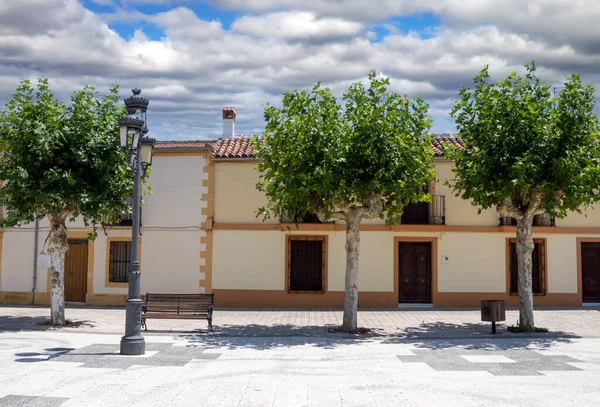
523 145
317 155
57 159
366 159
527 152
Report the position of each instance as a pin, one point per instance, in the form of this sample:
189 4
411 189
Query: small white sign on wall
445 259
43 261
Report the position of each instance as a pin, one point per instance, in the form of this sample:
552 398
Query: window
306 263
538 272
119 262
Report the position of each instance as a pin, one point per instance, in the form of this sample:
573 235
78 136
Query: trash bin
493 311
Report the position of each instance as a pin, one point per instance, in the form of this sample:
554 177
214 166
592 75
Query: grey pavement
70 369
285 358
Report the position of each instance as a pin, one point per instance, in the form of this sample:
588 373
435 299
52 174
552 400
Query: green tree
526 153
61 162
364 160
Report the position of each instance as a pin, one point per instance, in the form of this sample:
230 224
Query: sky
192 57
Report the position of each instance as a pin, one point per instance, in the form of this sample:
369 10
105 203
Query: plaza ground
290 358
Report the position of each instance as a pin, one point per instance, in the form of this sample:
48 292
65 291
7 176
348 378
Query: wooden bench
178 306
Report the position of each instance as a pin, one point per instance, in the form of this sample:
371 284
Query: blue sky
192 57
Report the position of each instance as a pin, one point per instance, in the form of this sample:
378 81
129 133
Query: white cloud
297 26
199 66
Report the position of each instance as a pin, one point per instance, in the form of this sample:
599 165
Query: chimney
228 122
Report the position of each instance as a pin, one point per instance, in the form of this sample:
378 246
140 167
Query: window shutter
538 267
306 265
119 262
514 271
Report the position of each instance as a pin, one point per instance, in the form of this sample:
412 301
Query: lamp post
141 148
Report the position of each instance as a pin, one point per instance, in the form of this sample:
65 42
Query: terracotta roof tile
239 145
168 144
440 139
236 147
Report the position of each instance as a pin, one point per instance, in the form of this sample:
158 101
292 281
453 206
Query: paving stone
498 362
31 401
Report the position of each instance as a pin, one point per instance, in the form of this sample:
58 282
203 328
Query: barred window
538 260
306 264
119 262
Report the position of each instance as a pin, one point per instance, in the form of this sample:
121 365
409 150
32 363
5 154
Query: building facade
175 251
200 234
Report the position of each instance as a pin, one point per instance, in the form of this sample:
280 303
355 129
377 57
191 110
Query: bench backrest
180 303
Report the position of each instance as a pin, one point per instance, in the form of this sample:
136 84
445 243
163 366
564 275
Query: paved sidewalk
401 324
42 368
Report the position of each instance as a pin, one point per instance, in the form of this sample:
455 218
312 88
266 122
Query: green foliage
318 156
521 140
62 159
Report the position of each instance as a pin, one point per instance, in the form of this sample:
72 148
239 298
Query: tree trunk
525 248
352 245
57 247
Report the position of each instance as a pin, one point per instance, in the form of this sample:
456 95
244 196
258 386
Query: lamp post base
133 345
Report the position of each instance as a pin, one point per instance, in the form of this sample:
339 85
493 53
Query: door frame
581 240
434 263
80 234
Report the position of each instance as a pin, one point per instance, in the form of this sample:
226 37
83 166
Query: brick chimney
228 122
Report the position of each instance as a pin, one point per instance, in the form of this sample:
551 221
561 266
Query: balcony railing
538 220
125 218
426 213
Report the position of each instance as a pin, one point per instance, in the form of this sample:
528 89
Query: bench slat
179 306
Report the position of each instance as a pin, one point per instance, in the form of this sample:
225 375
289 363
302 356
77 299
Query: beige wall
460 212
562 263
589 218
477 262
248 260
236 196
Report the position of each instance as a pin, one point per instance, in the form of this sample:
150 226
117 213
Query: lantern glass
136 137
146 153
123 134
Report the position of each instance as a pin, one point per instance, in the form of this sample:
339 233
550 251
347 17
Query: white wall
17 261
176 198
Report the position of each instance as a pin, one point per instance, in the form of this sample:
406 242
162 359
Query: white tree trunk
525 248
57 247
352 245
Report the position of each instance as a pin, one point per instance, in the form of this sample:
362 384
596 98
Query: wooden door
414 273
76 262
590 272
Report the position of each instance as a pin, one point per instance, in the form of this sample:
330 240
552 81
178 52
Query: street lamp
133 131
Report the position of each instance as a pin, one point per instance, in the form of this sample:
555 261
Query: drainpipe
35 257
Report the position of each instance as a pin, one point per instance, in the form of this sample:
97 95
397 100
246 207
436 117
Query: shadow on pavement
426 335
39 323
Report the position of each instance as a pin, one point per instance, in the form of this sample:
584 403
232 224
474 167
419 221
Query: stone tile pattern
31 401
106 356
526 362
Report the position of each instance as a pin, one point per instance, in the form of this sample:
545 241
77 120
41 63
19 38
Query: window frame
543 260
288 262
109 240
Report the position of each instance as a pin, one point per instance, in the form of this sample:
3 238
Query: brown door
590 272
414 273
76 262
